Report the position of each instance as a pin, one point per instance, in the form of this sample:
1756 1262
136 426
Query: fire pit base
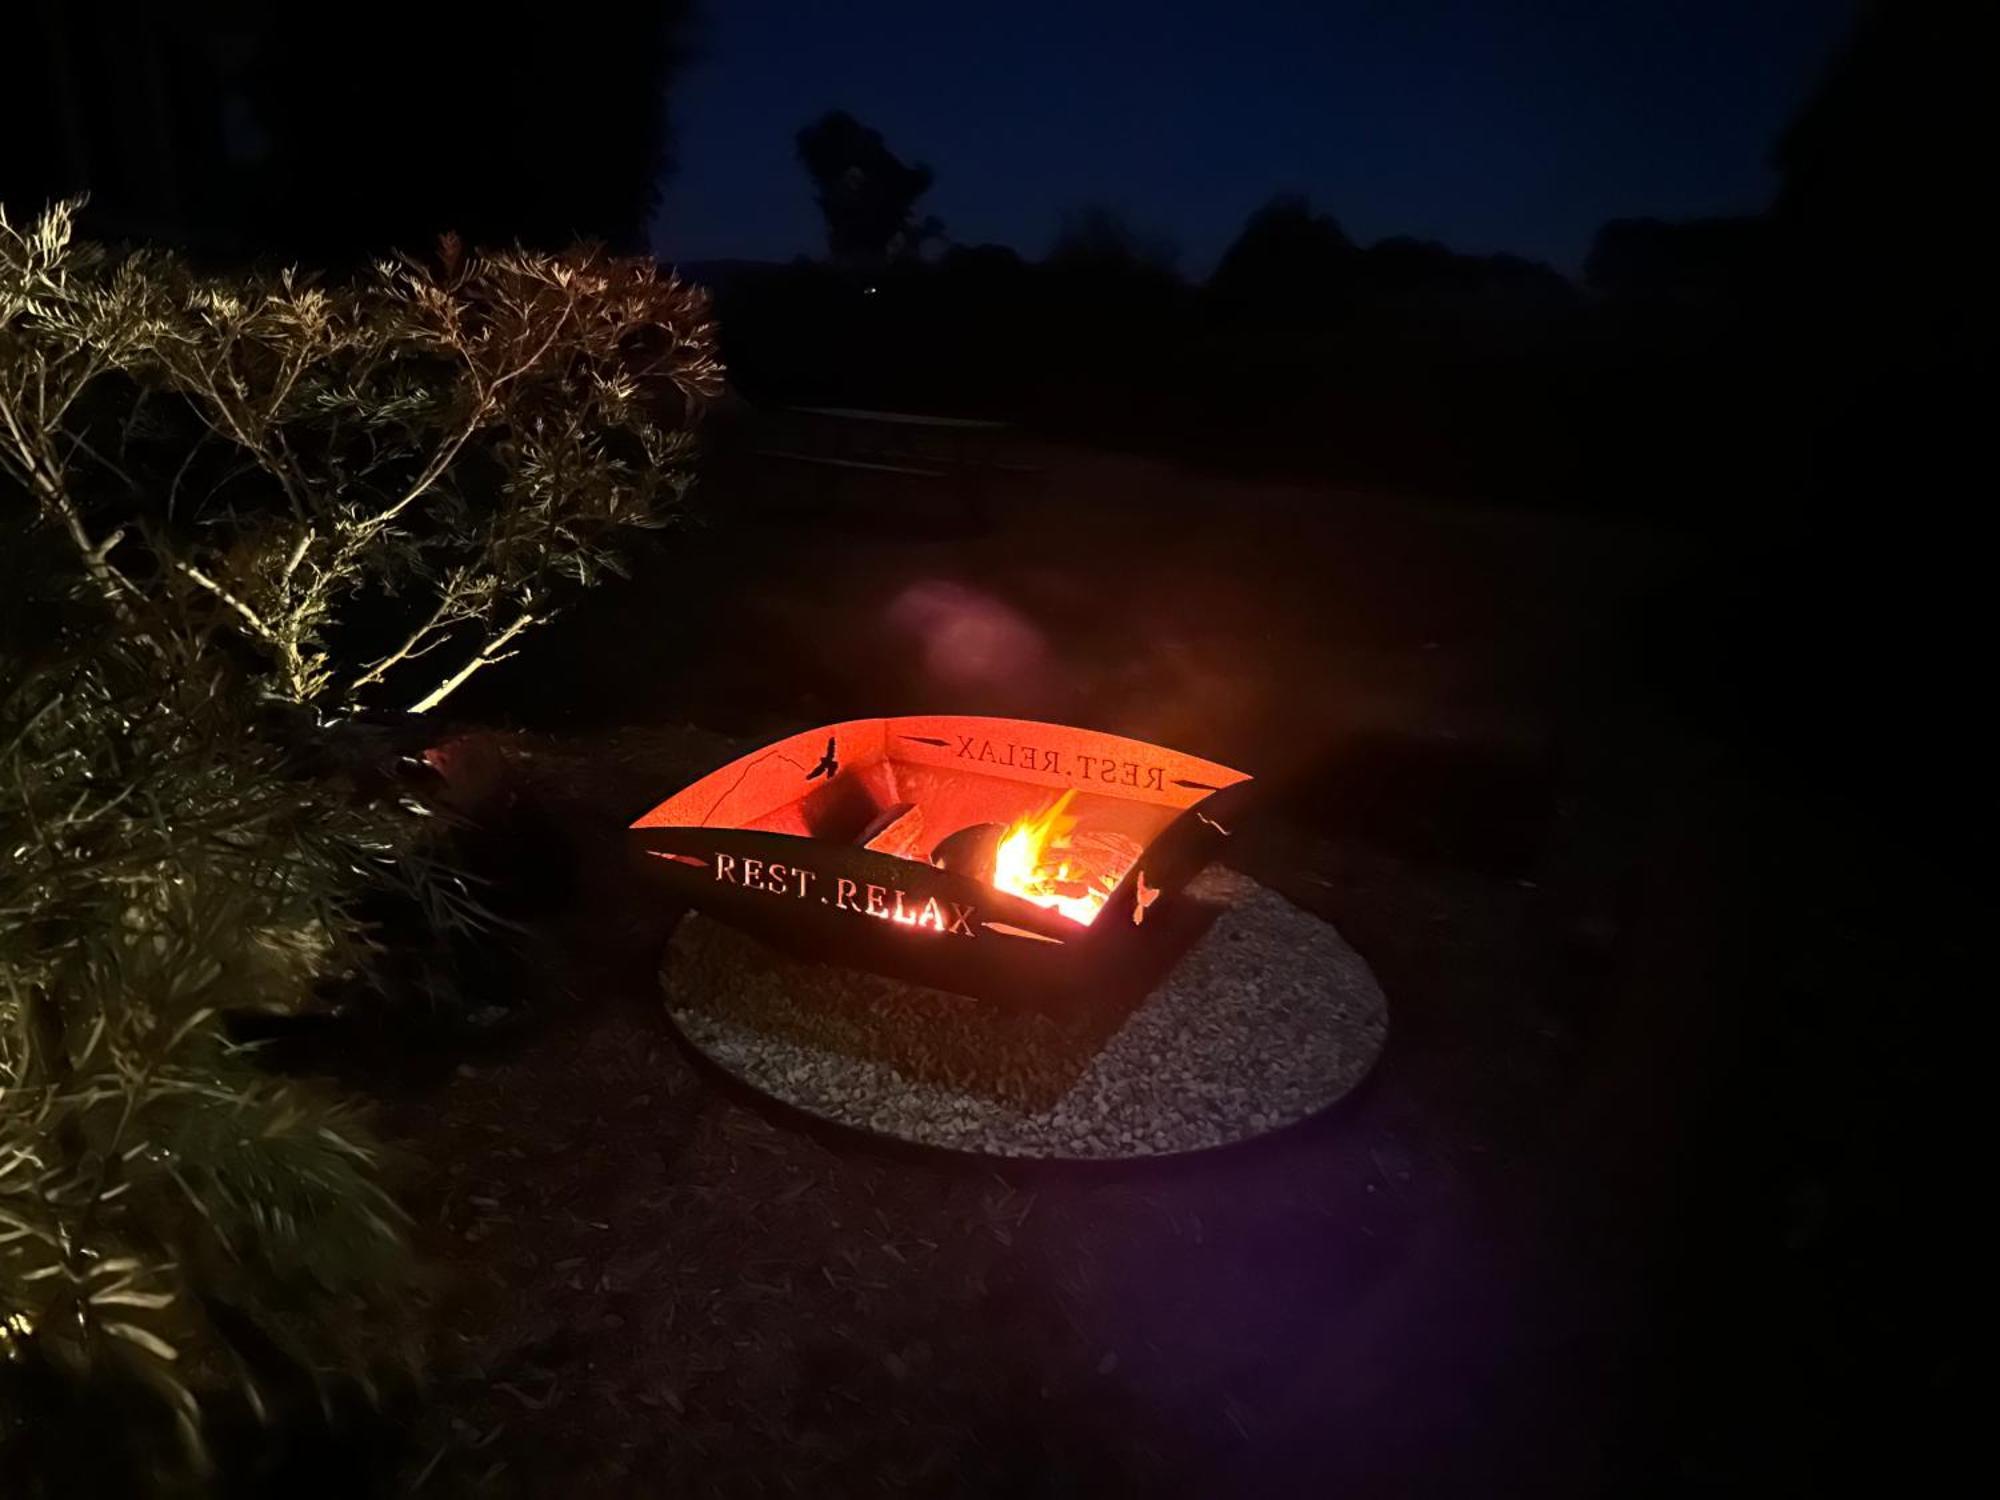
1267 1019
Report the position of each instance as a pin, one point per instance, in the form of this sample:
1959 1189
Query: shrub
222 494
172 1219
386 481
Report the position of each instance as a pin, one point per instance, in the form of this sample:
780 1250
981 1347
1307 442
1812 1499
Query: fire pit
1000 937
1028 864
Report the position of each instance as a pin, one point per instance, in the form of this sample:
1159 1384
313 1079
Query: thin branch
487 655
194 448
432 472
44 478
93 367
380 669
33 719
250 616
95 557
218 415
298 555
482 408
77 444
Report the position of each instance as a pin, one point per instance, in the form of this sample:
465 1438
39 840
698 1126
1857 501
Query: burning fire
1034 861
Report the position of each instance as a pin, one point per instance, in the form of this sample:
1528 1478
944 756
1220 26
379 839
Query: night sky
1491 127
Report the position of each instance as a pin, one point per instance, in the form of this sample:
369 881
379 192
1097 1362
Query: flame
1030 863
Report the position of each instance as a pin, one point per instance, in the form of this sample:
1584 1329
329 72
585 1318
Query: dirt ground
1534 1255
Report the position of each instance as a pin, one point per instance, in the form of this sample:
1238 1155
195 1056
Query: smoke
968 640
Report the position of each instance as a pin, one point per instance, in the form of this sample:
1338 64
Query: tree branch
380 669
482 408
486 656
298 555
250 616
44 478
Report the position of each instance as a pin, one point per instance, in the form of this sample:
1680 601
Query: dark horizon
1492 135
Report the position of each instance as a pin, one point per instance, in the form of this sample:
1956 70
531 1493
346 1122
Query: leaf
150 1300
152 1343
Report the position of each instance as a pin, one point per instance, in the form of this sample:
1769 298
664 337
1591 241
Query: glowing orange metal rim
937 829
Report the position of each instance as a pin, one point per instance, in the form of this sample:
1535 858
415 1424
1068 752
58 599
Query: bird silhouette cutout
829 764
1143 897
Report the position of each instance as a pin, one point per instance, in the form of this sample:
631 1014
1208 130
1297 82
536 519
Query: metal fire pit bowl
870 844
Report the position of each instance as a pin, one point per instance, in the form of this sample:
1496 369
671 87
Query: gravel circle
1268 1018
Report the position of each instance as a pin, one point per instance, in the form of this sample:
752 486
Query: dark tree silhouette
1876 200
1880 286
232 127
1286 256
983 263
1695 260
1096 238
865 192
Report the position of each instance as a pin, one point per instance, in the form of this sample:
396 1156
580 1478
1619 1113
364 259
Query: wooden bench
957 453
788 455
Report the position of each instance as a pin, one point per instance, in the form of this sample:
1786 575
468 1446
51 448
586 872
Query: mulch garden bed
648 1285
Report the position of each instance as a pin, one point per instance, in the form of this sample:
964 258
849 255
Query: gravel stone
1268 1019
